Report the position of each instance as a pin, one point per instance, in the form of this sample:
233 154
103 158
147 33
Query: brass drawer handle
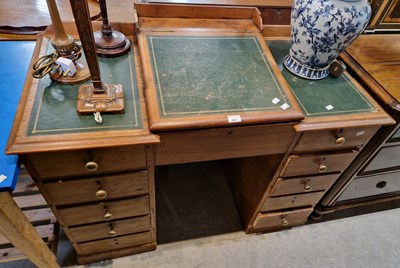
91 166
101 194
112 233
307 187
285 222
322 168
340 140
108 216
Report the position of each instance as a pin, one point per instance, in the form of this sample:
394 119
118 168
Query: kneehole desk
200 84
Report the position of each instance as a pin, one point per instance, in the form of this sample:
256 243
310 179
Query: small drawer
110 229
298 165
98 188
89 162
105 211
364 187
336 139
291 201
386 158
303 184
114 243
279 220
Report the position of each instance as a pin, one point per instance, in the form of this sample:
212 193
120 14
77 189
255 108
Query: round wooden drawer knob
112 233
322 168
91 166
340 140
285 222
108 216
100 194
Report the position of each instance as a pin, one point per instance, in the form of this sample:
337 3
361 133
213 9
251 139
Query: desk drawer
83 162
346 138
222 143
291 201
279 220
99 188
387 158
298 165
105 211
372 186
110 229
303 184
114 243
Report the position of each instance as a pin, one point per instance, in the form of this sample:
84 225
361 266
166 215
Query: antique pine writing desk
201 84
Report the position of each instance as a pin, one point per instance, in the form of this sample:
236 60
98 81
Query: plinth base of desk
90 258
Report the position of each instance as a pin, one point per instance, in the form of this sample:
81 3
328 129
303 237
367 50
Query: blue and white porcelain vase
320 31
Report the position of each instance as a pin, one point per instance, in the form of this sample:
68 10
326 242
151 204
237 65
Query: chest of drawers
102 208
305 178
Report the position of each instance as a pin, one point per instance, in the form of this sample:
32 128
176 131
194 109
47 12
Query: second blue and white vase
320 31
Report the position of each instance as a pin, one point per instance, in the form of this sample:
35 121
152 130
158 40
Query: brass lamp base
110 101
109 46
82 74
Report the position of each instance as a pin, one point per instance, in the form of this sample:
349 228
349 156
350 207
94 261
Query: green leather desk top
54 109
329 96
205 75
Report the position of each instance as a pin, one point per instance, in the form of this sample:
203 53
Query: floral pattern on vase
320 31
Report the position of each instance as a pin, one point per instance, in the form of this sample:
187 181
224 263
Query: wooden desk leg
15 226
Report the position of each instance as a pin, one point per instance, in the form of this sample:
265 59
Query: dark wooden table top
21 16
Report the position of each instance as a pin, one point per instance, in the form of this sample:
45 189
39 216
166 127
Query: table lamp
96 98
109 43
64 65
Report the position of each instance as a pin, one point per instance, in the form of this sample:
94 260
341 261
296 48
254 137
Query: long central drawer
222 143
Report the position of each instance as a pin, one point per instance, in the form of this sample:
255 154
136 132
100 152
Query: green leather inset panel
315 96
212 74
54 110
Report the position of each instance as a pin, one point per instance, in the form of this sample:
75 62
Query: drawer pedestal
105 212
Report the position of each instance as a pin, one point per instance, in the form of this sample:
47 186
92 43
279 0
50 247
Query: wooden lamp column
97 98
110 43
65 46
